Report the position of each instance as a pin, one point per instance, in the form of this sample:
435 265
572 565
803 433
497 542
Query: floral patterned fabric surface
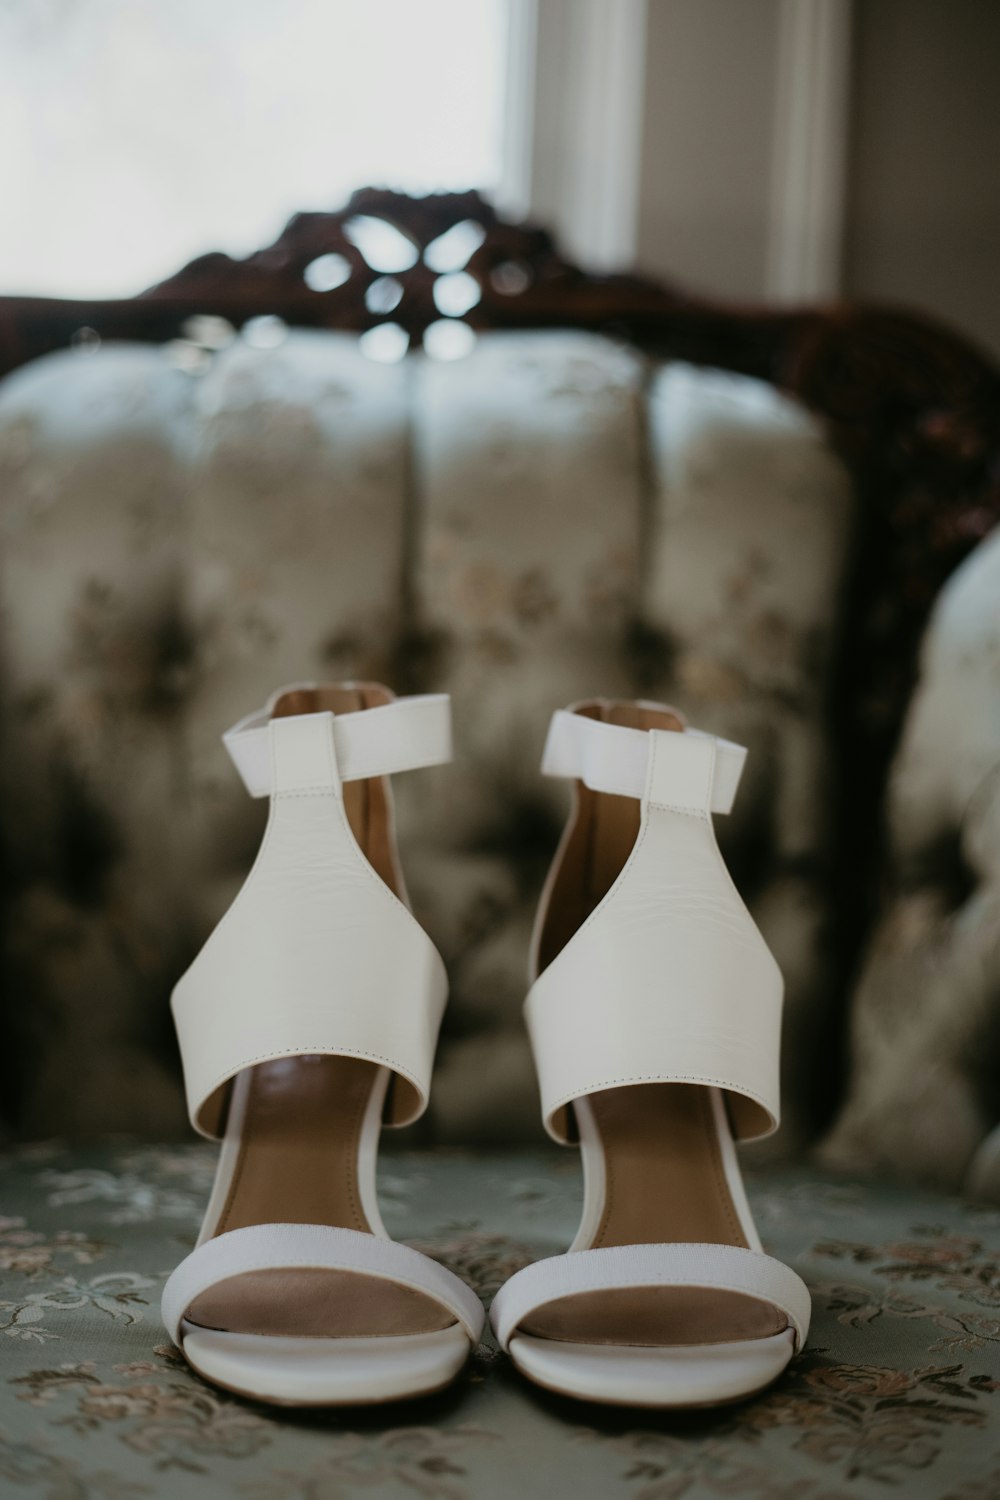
898 1392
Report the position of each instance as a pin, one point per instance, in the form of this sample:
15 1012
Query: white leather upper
668 979
263 1247
730 1268
316 955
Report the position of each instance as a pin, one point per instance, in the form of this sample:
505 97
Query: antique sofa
779 522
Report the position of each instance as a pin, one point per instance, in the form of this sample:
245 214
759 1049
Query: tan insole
298 1156
664 1176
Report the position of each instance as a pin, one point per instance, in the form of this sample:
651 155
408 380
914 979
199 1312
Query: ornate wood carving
914 408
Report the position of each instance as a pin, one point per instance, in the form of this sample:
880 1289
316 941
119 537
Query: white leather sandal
310 1015
654 1021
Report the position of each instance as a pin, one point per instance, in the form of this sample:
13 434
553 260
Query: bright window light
138 133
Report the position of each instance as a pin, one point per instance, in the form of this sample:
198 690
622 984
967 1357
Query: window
140 133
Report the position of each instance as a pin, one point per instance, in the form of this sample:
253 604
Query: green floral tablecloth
899 1392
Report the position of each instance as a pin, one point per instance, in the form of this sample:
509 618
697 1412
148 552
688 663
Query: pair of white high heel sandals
310 1018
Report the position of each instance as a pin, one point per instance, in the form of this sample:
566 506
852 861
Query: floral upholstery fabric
898 1392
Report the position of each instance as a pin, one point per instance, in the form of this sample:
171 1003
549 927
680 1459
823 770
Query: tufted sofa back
551 517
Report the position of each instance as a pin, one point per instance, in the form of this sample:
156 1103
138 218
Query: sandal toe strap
724 1268
268 1247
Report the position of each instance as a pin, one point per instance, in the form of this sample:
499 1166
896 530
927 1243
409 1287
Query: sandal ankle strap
404 735
695 772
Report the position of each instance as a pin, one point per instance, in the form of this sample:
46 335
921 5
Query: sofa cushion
548 518
924 1085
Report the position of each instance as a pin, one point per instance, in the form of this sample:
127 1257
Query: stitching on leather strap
688 812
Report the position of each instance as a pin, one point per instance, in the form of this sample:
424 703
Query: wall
706 143
923 222
921 195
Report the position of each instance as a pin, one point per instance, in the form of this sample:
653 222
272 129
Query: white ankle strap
404 735
611 758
